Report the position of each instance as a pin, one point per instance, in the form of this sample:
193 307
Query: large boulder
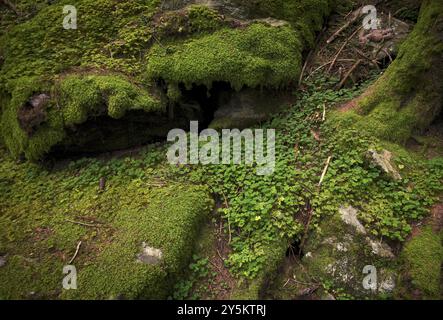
340 251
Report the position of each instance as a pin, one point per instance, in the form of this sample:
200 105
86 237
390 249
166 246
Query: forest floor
46 212
137 227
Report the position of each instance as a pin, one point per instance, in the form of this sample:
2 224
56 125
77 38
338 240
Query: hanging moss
74 99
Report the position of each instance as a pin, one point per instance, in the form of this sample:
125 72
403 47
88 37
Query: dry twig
348 74
83 223
229 222
325 170
354 16
341 49
76 252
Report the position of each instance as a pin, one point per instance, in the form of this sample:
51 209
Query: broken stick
341 49
76 252
355 15
325 170
82 223
348 74
324 112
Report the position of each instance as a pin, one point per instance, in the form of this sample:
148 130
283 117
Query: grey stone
149 255
380 248
383 161
387 282
328 297
349 216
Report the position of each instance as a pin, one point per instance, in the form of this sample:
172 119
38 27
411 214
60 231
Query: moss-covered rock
72 101
44 215
123 52
423 257
337 253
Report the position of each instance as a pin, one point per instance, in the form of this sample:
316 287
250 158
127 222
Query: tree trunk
409 96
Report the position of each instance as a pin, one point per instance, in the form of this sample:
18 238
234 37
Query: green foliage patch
262 213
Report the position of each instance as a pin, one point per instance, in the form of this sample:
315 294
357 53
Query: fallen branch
102 184
325 64
389 56
360 53
308 58
220 256
304 68
354 17
325 170
348 74
341 49
286 282
76 252
216 266
305 234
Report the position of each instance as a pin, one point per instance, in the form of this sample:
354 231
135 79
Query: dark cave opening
102 134
294 249
206 100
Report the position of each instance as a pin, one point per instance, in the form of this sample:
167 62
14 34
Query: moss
24 9
423 256
116 272
38 240
267 56
110 35
82 96
16 139
203 19
135 40
74 99
305 15
254 289
408 97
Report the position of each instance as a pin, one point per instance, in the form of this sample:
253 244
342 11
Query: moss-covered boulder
336 256
131 57
46 215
